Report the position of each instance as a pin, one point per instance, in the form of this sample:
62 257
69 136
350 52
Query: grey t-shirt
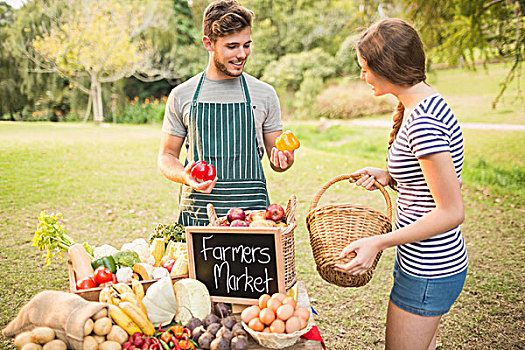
265 103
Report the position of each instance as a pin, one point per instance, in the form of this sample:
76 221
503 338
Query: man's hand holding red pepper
197 184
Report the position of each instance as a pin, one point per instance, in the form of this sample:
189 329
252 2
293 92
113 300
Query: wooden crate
92 294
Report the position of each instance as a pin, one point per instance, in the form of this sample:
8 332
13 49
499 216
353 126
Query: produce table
301 344
302 299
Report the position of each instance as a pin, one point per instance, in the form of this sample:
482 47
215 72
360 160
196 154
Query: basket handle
323 189
212 215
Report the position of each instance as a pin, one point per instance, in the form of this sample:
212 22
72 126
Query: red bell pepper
168 265
177 330
175 343
185 343
203 171
165 337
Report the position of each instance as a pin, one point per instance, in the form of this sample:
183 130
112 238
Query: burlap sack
66 313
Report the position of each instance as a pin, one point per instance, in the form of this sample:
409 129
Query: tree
94 42
23 93
284 27
466 30
11 98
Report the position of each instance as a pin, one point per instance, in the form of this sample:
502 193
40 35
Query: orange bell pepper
287 142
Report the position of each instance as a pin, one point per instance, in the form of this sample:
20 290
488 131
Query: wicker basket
333 227
278 340
287 238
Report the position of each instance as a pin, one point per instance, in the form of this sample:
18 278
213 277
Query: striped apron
223 134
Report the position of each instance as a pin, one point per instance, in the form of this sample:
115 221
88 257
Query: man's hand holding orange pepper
283 153
287 142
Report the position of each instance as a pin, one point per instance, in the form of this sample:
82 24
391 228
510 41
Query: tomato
103 274
114 278
198 170
211 173
86 283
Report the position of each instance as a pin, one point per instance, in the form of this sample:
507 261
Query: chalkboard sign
237 264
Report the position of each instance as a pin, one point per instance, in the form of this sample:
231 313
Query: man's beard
222 68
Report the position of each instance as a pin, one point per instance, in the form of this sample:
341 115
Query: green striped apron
223 134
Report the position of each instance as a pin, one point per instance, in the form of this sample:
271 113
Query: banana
138 289
104 295
136 314
114 299
132 298
122 288
123 320
127 296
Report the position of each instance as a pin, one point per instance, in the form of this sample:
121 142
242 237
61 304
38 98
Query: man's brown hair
225 17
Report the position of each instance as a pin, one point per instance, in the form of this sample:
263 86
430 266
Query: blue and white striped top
430 128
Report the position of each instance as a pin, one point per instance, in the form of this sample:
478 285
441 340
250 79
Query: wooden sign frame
226 230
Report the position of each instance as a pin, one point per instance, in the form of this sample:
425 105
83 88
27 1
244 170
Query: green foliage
136 112
346 58
463 31
351 99
288 72
170 233
52 237
22 90
311 85
152 40
283 27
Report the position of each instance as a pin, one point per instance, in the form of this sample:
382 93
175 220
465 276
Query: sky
13 3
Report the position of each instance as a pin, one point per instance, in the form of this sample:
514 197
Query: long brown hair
392 49
225 17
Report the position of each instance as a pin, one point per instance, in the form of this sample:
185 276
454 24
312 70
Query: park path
474 126
388 124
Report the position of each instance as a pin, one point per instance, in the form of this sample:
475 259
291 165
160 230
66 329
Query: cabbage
193 300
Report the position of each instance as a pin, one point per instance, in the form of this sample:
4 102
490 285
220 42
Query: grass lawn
104 181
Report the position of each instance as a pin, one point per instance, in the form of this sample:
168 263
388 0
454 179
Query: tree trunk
96 99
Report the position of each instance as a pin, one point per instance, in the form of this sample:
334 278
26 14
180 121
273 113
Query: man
226 118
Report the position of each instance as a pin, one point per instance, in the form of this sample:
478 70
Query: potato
100 314
102 326
88 327
90 343
220 343
205 340
56 344
43 334
32 346
118 334
239 343
99 338
23 338
109 345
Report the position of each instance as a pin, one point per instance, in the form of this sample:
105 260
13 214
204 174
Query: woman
425 160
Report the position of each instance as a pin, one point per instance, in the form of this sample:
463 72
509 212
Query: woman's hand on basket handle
204 187
366 250
368 176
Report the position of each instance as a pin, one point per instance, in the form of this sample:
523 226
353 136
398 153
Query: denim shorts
425 296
